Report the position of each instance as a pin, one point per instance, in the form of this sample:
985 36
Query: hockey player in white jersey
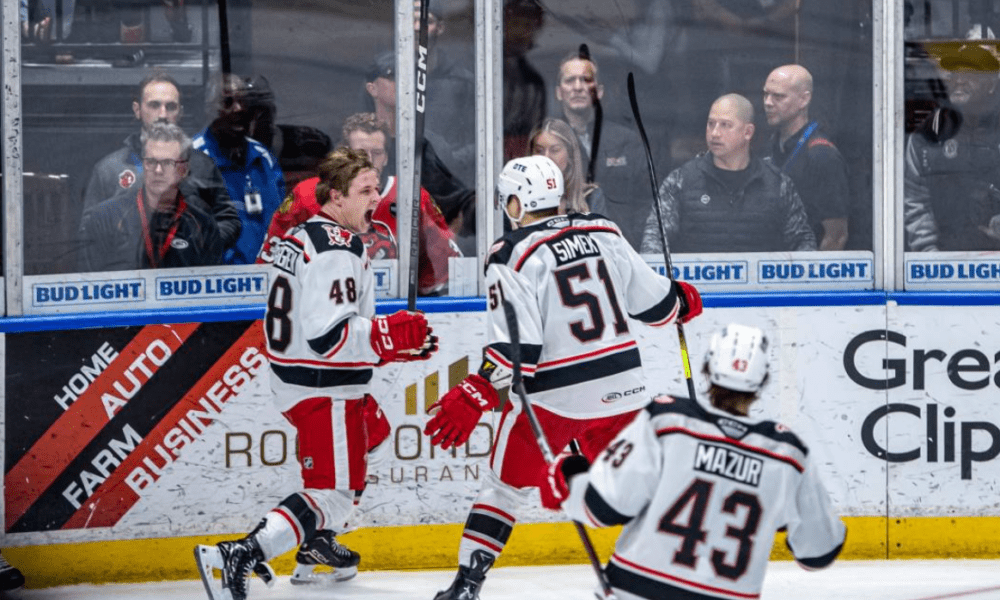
323 340
701 489
580 292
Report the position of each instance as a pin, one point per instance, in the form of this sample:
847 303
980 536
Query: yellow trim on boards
436 547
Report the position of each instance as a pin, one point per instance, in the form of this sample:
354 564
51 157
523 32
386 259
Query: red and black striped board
94 416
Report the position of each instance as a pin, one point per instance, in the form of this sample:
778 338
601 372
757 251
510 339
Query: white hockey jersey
701 494
577 288
319 311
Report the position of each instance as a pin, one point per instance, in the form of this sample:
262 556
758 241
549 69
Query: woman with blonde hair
555 139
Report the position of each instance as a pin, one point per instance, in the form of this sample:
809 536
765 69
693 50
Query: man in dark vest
726 200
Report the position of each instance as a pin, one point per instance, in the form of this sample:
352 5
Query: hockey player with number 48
701 489
323 339
580 292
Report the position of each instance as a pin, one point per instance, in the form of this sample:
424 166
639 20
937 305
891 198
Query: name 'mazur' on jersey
575 283
701 494
319 311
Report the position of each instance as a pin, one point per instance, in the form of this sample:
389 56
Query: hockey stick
223 38
418 154
595 141
685 359
517 384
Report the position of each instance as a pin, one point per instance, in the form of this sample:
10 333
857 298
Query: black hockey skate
236 560
469 579
323 550
10 577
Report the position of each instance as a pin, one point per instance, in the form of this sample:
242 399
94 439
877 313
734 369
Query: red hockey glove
402 336
561 471
690 301
460 410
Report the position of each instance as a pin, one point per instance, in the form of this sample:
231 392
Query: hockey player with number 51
579 290
701 488
323 339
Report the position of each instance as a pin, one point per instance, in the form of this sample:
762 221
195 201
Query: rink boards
126 445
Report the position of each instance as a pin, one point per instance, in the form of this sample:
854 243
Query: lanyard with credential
155 259
802 142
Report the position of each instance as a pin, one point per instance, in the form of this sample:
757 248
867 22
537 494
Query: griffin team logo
338 235
126 178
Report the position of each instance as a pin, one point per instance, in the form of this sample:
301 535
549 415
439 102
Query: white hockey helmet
535 180
737 359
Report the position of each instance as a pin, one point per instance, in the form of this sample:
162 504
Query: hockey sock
289 524
276 536
491 519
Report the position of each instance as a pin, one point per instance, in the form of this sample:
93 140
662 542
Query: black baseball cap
971 57
384 65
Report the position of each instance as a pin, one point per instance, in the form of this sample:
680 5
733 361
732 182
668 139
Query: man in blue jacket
253 177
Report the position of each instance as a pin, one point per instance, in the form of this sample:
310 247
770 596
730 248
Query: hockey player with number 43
580 292
323 339
701 488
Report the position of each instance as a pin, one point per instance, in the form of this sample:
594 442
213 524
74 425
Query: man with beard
951 195
158 100
252 174
802 150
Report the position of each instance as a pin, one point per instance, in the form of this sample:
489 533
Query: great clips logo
946 436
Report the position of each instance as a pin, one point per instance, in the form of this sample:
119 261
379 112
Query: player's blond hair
338 170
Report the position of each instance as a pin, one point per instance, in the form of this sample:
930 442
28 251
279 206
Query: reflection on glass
952 161
685 56
727 200
154 223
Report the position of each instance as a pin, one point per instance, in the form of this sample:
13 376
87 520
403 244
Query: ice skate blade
304 575
208 558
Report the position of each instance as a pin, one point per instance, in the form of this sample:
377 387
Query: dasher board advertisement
169 430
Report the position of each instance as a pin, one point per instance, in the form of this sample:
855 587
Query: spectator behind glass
556 140
726 200
158 100
952 170
456 201
363 131
801 149
451 91
153 225
299 148
523 86
252 174
620 168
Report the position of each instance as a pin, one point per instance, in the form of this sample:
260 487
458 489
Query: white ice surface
845 580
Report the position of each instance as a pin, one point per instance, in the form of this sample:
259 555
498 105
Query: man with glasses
158 100
255 181
155 225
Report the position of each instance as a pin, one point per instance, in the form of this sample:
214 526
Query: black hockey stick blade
420 96
517 386
595 140
681 338
651 167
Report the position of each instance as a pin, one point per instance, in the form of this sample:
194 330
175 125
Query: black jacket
112 236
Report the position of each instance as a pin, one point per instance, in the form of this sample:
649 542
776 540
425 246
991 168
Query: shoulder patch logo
663 399
179 244
286 205
338 235
732 428
126 178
